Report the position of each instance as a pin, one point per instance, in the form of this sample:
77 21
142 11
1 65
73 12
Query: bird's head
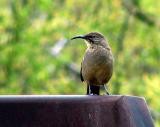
93 38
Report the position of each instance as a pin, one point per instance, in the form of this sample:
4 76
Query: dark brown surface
74 111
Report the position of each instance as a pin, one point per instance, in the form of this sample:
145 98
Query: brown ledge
74 111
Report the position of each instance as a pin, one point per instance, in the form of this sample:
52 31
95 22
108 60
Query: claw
107 93
91 94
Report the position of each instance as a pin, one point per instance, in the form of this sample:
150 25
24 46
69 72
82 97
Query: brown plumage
97 64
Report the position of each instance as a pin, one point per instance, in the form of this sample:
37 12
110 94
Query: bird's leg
107 93
88 90
93 90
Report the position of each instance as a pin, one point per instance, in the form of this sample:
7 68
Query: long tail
91 89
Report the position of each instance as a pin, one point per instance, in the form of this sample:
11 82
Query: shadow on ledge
73 111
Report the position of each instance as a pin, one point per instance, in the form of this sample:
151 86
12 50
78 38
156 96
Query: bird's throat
88 44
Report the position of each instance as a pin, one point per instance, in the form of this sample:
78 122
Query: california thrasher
97 64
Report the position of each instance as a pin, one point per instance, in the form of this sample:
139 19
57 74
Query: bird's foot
105 88
91 94
107 93
93 90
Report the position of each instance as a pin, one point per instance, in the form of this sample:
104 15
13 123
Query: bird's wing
81 73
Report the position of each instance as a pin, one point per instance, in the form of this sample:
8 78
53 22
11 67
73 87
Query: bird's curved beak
80 36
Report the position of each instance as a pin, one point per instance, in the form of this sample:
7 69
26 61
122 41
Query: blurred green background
37 57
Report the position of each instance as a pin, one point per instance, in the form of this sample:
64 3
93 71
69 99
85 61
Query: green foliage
30 28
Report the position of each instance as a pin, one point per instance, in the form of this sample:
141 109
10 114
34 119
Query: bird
97 64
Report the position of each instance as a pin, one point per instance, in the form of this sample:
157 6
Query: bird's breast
98 56
97 64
